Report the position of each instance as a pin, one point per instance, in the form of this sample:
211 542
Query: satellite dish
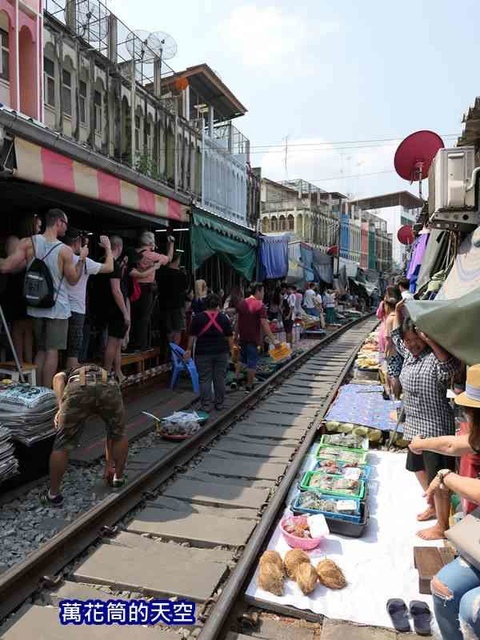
415 155
143 46
405 234
92 20
168 46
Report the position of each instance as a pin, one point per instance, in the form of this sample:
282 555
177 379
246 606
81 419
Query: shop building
300 208
114 135
397 209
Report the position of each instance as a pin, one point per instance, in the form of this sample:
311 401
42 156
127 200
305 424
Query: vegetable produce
316 502
352 457
330 574
325 482
306 578
293 559
349 440
273 557
297 527
270 578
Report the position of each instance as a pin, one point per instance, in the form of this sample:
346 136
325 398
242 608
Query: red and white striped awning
46 167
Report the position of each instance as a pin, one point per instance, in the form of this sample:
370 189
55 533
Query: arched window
149 135
4 46
139 142
299 230
27 71
265 225
291 223
274 222
67 84
49 75
83 100
126 130
98 97
282 226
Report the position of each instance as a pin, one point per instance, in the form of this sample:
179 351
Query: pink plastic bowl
298 543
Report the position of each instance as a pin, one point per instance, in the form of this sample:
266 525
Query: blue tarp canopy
322 266
274 256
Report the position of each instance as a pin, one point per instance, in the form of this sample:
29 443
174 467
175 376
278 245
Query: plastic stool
179 365
29 371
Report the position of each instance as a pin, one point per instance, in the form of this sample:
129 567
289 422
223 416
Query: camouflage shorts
82 402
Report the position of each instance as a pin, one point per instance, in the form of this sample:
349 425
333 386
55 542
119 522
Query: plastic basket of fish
347 440
352 457
335 468
311 502
326 484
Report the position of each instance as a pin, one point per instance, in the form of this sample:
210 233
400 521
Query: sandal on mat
398 612
422 617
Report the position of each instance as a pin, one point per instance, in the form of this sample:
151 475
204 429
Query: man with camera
77 293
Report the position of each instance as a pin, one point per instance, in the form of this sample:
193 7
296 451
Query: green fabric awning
211 236
451 323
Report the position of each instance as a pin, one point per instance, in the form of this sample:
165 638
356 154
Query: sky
321 79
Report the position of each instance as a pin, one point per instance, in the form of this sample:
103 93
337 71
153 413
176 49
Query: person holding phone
148 262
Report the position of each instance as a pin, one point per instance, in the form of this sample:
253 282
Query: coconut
306 578
270 578
272 556
330 574
293 559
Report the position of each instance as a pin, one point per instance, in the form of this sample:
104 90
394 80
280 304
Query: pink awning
41 165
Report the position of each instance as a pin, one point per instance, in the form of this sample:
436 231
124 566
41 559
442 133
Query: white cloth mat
377 566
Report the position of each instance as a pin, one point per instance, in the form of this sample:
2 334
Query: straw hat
471 395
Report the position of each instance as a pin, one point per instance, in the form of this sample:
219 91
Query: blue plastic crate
356 518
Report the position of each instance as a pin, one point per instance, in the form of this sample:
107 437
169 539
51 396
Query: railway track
191 527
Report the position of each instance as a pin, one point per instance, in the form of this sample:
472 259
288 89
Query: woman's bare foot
432 533
428 514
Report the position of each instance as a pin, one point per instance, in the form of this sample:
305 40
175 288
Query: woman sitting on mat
456 588
426 371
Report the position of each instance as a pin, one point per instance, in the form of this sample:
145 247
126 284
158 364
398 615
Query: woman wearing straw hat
456 588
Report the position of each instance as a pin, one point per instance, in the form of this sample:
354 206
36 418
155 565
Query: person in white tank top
50 325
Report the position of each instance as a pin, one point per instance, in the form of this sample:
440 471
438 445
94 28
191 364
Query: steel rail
245 567
22 580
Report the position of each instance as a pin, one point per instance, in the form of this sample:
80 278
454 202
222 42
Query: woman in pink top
391 292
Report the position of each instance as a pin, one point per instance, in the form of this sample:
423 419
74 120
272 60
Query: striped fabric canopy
46 167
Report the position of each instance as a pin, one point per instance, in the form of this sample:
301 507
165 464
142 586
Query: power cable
372 142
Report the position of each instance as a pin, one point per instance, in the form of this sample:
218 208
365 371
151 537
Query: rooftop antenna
415 155
148 48
92 20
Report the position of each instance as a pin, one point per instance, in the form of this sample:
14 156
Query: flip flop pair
420 612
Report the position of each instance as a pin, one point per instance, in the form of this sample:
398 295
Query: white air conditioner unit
452 201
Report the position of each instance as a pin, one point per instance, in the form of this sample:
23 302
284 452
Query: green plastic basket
364 446
305 486
322 452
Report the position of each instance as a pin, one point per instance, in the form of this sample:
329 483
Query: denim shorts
249 355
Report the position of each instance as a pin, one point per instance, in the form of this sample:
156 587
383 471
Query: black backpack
38 286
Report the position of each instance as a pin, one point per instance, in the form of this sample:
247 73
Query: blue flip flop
422 617
398 612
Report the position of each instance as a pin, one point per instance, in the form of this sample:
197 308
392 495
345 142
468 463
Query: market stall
349 518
